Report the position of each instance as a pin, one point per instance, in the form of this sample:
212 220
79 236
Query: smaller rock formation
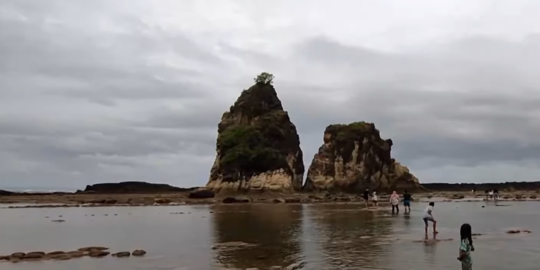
353 158
258 148
132 188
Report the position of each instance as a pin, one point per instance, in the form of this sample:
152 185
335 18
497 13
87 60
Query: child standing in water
466 247
375 199
428 216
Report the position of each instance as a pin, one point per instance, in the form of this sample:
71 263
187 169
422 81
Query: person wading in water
394 201
366 197
407 198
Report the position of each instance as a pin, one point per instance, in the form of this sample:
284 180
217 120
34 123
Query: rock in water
353 158
258 147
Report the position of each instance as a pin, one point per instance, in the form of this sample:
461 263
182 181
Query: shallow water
338 236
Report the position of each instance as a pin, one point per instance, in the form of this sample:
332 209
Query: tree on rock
264 78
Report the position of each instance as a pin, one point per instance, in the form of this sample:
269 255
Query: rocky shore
93 252
175 199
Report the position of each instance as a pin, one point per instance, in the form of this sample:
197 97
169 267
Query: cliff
132 188
353 158
257 147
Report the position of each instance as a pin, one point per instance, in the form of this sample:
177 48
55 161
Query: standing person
366 197
407 198
428 216
474 190
375 199
394 201
466 247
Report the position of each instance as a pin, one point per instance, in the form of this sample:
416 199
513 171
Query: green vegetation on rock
264 78
350 132
251 148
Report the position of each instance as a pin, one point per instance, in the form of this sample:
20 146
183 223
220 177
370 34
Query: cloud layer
106 91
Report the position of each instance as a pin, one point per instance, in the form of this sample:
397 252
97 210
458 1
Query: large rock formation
258 147
354 157
132 187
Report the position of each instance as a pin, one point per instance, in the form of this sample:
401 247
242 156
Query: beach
282 236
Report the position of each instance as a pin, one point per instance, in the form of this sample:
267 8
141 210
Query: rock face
132 188
353 158
258 147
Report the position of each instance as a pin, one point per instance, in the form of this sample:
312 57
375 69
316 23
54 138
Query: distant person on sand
466 247
394 201
407 198
375 199
366 197
474 191
428 216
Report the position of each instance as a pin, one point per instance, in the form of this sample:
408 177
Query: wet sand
309 236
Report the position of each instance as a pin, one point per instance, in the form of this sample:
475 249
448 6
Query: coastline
54 200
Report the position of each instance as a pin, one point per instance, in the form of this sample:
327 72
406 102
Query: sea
262 236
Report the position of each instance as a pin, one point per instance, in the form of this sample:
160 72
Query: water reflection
350 237
276 230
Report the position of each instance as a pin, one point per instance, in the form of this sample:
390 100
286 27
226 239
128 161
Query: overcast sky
107 91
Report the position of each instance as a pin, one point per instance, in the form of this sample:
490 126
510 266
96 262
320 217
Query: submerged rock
121 254
353 158
138 252
258 147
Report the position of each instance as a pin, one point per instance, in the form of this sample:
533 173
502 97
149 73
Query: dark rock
87 249
34 255
58 220
480 187
98 253
258 147
18 255
122 254
133 188
279 200
76 254
202 194
236 200
353 158
138 252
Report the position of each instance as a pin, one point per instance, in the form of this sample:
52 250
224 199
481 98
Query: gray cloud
131 90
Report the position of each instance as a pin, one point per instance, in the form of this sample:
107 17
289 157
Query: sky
133 90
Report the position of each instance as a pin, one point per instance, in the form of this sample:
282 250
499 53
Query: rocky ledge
353 157
132 187
258 148
94 252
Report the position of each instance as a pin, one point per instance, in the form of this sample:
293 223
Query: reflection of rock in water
350 239
259 236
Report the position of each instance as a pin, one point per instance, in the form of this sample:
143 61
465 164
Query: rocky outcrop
258 148
132 188
480 187
354 157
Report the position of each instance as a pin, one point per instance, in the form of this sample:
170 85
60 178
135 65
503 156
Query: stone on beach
121 254
138 252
